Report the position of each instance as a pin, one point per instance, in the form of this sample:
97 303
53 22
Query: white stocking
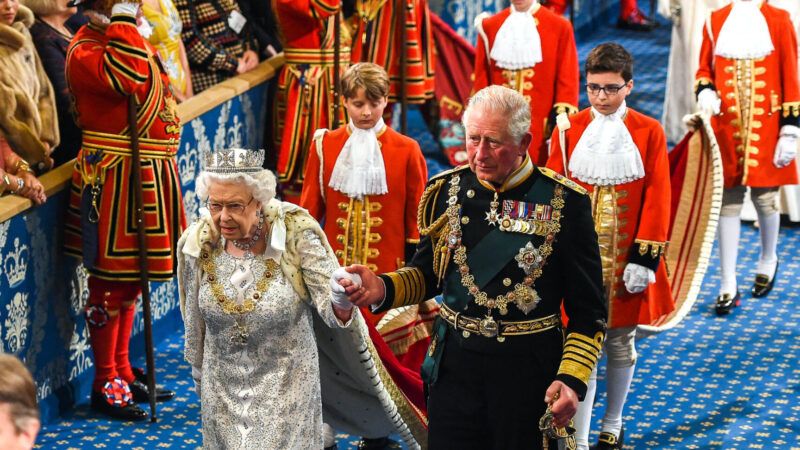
729 228
583 417
770 226
618 382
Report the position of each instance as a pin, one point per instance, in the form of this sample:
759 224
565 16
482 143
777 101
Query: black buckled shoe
140 392
725 303
383 443
121 411
608 441
763 284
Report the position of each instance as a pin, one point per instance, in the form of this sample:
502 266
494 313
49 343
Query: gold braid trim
567 108
428 203
409 286
791 109
580 355
656 249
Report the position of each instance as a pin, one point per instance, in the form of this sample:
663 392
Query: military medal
529 258
492 216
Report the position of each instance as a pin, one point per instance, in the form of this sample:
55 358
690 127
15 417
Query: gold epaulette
561 179
427 221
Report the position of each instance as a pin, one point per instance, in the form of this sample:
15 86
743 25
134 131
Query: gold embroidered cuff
409 286
655 249
791 109
580 355
563 107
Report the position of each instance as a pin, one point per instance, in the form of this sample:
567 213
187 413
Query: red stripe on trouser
106 339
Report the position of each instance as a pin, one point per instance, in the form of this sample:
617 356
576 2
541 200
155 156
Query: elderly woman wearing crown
254 276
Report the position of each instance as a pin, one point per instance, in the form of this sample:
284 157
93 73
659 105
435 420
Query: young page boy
363 182
620 157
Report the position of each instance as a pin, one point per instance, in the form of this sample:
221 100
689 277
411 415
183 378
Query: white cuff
376 306
790 131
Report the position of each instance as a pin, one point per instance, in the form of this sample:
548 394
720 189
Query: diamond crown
235 160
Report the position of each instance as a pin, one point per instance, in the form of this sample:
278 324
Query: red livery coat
550 86
757 96
631 220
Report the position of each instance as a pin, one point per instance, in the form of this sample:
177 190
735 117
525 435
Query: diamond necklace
247 246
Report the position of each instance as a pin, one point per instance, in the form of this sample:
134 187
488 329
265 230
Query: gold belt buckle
488 327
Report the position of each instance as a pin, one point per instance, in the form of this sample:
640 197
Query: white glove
637 278
338 297
145 29
786 149
197 376
128 9
708 102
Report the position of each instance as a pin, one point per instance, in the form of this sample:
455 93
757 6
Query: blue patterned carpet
710 383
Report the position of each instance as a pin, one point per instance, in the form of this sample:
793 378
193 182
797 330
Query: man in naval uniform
506 243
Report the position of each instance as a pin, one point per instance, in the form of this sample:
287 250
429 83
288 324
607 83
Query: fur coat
28 120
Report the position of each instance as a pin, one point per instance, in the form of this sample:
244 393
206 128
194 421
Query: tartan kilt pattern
114 242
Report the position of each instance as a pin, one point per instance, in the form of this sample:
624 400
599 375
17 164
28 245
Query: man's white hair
506 102
261 184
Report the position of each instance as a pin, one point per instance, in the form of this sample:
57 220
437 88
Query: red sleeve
311 196
317 9
789 76
123 65
568 76
705 72
481 77
655 211
417 177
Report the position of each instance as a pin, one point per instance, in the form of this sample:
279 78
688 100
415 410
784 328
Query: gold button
470 193
465 220
506 282
465 333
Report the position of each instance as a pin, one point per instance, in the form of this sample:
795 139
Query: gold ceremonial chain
525 297
228 305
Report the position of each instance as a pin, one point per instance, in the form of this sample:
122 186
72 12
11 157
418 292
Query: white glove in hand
708 102
786 149
128 9
197 376
338 296
637 278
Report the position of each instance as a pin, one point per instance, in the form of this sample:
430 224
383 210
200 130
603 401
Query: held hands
565 406
637 278
786 149
340 280
370 291
708 102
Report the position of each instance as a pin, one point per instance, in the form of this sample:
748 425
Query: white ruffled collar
605 154
359 169
736 43
518 44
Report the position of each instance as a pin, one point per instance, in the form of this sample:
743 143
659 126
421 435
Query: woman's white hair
507 102
261 184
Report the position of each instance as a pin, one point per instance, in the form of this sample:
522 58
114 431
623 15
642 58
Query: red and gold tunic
375 230
376 41
758 97
103 69
631 220
551 86
305 85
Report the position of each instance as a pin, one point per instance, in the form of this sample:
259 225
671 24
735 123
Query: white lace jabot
605 154
745 34
518 44
359 169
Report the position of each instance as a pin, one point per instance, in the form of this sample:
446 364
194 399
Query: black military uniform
503 258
